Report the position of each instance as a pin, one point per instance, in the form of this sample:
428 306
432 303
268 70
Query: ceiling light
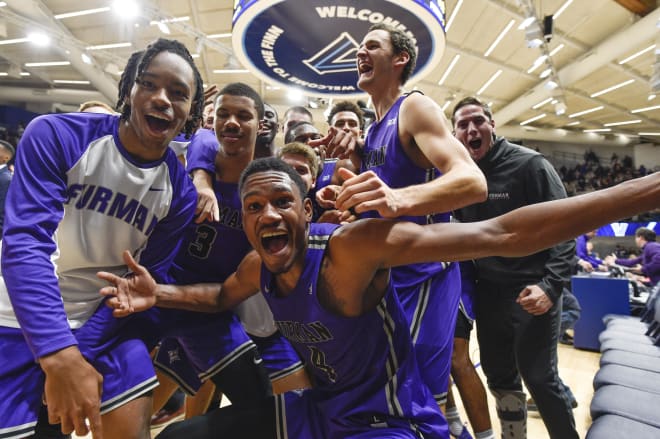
25 74
556 49
526 22
577 122
39 39
560 108
109 46
554 101
580 113
47 64
551 85
499 38
635 55
79 13
490 81
535 118
612 88
70 81
534 35
542 103
544 74
195 55
3 4
295 94
86 58
164 28
13 41
651 97
453 15
562 9
224 35
639 110
649 134
627 122
126 8
169 20
449 69
598 130
4 74
446 105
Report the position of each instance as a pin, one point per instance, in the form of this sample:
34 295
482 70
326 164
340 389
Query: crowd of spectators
592 174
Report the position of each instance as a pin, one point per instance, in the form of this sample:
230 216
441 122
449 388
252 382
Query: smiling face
269 125
275 219
376 61
347 121
303 133
160 101
475 130
236 124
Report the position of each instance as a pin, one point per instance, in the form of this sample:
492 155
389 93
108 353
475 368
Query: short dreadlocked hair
137 64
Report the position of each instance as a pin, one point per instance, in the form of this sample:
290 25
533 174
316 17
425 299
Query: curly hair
346 106
138 63
244 90
274 164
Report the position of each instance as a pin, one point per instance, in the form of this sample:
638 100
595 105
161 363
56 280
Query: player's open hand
131 294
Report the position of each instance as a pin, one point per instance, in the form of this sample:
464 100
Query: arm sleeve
651 265
628 262
544 185
201 151
33 210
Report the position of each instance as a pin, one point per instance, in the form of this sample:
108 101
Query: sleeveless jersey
384 155
363 368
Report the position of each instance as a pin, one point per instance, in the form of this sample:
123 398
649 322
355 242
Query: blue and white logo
312 44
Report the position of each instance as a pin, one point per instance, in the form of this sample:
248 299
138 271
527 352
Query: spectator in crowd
649 261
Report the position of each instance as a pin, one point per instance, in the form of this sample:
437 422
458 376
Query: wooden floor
576 368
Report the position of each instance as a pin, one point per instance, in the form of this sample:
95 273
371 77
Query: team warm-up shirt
77 201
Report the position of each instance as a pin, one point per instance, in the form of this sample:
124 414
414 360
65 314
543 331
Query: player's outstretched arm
518 233
139 291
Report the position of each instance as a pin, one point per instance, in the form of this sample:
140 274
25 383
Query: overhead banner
312 44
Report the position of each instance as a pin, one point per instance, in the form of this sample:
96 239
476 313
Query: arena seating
627 385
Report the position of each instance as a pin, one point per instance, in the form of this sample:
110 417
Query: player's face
275 219
304 133
374 59
161 100
208 116
474 129
236 124
347 121
269 125
302 167
293 117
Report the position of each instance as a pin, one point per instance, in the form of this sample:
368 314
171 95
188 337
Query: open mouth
364 68
157 124
475 144
274 242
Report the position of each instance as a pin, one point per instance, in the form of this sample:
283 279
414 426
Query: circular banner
312 44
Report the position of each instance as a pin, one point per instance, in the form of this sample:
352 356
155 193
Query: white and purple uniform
366 380
77 201
429 292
